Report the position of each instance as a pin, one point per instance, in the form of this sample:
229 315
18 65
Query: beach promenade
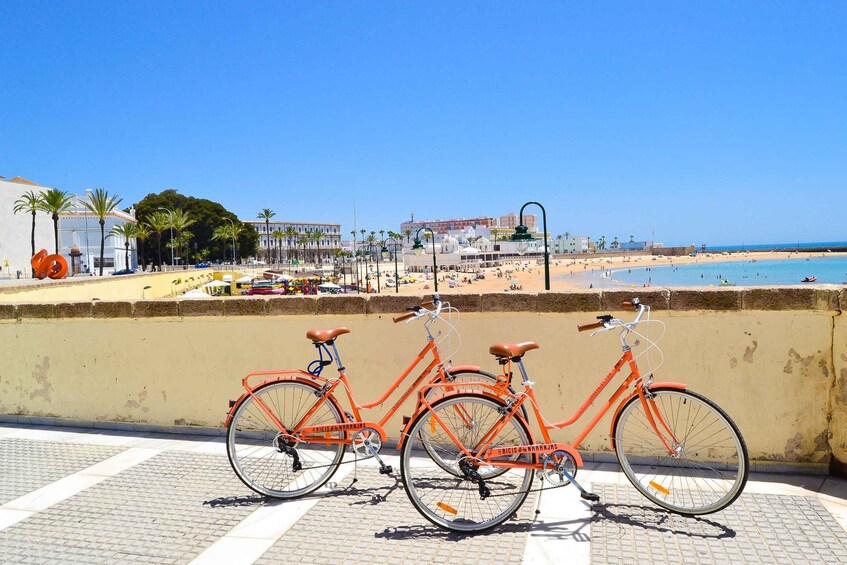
85 495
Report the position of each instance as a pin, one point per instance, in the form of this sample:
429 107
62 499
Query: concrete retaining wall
775 359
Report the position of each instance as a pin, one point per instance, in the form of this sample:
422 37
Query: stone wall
775 359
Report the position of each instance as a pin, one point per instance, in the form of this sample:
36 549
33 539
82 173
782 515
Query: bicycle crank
554 468
367 442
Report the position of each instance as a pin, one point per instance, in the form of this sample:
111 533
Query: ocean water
747 272
823 245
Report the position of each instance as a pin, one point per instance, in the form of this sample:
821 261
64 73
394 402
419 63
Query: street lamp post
418 248
171 220
384 253
521 234
233 240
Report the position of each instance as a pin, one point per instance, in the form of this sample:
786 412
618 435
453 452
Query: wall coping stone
819 297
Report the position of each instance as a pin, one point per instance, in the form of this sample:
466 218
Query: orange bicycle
287 434
678 448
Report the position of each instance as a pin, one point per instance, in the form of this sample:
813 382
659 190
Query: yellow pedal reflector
447 508
659 488
432 426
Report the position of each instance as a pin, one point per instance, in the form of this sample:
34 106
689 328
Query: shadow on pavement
649 518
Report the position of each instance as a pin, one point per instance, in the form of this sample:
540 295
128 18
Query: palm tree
278 236
632 238
126 231
303 241
159 221
180 221
615 243
142 233
266 214
291 236
100 203
601 243
54 202
228 232
408 235
31 203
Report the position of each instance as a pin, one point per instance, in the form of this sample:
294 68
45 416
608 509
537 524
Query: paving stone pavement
165 510
372 521
68 496
27 465
756 528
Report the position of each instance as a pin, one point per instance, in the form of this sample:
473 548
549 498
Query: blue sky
709 123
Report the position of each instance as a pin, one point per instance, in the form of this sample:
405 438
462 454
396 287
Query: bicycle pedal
386 470
590 496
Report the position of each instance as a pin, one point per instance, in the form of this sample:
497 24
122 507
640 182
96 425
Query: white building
330 239
570 244
81 228
16 229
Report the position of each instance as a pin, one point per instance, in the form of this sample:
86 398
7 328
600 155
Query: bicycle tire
252 441
466 376
710 467
452 502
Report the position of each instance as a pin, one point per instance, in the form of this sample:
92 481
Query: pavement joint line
66 487
253 536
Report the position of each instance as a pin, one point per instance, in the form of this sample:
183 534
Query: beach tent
216 284
244 279
328 285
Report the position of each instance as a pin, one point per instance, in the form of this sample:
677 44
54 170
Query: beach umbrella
328 285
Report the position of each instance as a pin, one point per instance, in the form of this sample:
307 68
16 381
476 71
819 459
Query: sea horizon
822 245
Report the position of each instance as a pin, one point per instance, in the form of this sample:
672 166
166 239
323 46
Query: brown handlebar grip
593 326
628 305
429 304
404 317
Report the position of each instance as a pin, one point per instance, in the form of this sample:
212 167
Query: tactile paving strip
372 521
756 528
167 509
27 465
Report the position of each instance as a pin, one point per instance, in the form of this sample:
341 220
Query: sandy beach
567 273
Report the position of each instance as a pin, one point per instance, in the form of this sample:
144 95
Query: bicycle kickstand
582 492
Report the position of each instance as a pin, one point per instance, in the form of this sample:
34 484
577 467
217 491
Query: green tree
291 236
303 241
101 203
159 221
208 216
126 231
266 214
408 236
142 234
181 221
315 237
55 202
31 203
278 235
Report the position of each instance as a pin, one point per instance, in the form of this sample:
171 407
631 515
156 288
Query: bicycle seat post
337 356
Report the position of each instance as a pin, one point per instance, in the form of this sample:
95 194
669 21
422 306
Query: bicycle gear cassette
553 467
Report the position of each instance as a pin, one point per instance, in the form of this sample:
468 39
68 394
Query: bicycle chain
530 490
355 460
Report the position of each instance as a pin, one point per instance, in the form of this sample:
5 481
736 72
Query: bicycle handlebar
415 311
404 317
605 322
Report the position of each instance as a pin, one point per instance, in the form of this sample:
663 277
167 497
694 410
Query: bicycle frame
318 434
486 454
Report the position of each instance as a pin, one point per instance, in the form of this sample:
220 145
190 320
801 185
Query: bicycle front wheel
272 463
705 468
448 489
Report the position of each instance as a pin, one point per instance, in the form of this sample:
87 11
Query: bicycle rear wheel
466 378
707 468
272 463
455 502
